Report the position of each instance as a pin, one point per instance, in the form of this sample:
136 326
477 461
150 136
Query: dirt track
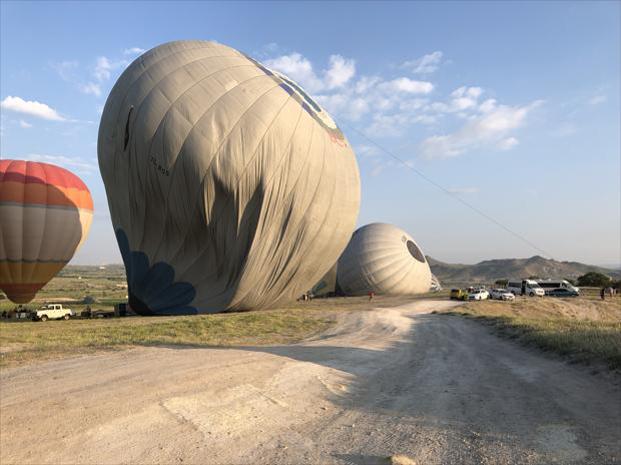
440 389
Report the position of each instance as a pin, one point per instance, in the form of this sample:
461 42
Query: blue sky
513 107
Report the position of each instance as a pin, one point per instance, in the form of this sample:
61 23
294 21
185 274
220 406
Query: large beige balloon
383 259
228 186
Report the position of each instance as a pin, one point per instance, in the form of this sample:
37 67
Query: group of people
610 291
17 312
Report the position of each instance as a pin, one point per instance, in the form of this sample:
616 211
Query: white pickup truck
53 312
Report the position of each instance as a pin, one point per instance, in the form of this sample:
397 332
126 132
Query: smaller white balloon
384 259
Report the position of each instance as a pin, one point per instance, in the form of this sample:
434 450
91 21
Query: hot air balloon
45 214
384 259
229 187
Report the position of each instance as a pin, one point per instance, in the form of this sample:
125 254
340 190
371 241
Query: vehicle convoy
501 294
528 287
52 312
562 292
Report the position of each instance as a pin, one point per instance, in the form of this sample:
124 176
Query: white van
557 284
525 287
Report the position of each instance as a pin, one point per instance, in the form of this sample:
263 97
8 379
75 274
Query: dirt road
439 389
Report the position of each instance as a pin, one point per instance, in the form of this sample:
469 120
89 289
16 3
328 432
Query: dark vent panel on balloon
126 140
415 251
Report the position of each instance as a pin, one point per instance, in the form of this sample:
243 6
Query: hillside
490 270
484 272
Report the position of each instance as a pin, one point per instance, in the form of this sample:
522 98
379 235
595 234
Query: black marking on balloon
159 167
415 251
126 140
152 289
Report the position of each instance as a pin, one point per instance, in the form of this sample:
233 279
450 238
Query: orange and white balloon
45 214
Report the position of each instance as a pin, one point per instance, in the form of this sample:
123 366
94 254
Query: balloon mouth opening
20 293
415 251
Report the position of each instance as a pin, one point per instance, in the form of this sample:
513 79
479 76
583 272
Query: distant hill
489 271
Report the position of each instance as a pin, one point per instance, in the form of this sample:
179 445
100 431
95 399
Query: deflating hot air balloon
228 186
45 214
384 259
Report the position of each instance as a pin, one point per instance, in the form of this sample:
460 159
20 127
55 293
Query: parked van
525 287
557 284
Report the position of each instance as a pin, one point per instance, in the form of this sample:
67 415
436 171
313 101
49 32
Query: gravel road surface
439 389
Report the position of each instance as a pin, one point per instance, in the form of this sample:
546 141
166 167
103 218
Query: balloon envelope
228 186
45 214
384 259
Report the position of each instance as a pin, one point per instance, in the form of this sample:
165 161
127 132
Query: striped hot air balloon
45 214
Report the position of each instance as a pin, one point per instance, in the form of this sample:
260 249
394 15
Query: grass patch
24 341
585 330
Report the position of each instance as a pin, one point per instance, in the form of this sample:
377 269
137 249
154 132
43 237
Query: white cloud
300 69
408 86
426 64
340 72
463 190
80 165
490 128
91 88
388 125
392 101
30 107
102 69
367 151
508 143
488 105
597 99
297 68
134 51
66 69
24 124
377 170
102 72
392 106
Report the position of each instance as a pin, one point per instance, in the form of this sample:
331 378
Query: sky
511 108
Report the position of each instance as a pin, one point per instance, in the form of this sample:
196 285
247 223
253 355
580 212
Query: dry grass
585 329
25 341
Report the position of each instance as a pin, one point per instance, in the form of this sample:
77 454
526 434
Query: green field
75 283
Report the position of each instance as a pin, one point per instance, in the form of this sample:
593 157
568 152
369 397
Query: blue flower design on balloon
152 290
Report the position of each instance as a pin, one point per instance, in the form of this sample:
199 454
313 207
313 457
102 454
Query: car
501 294
478 294
562 292
52 312
458 294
